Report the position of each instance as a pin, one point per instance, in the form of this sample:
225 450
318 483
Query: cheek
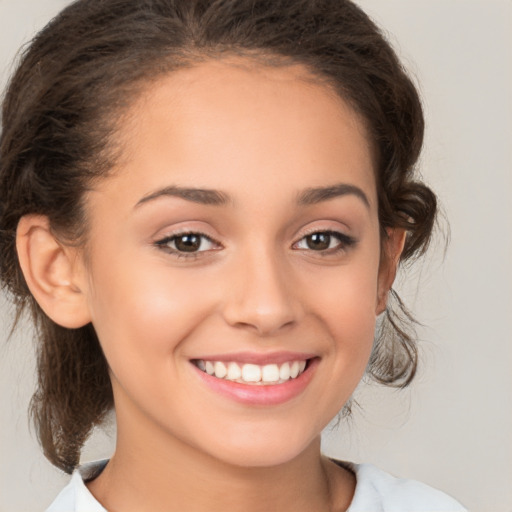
142 314
346 298
345 303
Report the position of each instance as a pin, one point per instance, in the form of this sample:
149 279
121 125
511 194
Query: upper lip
258 358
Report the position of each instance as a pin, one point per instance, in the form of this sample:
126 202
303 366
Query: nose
261 296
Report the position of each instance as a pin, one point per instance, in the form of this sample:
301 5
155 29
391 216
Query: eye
185 244
321 241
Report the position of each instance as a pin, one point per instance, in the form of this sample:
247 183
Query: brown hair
79 75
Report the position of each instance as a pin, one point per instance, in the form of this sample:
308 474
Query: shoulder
75 497
378 491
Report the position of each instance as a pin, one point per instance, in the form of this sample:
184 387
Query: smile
267 374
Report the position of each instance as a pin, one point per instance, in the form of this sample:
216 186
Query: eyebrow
195 195
316 195
307 197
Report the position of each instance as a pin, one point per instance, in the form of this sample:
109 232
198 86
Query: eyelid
326 229
346 241
162 242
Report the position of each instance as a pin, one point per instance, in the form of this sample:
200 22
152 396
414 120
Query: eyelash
345 243
164 244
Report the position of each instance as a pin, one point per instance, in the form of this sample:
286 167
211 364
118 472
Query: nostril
265 327
260 296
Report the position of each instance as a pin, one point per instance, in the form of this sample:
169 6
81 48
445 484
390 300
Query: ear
53 271
392 247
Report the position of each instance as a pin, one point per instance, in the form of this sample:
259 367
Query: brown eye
188 243
325 241
318 241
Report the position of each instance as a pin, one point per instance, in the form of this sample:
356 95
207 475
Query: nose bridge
261 296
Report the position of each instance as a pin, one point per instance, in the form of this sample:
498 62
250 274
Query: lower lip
269 394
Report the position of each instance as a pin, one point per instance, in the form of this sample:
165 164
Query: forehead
247 124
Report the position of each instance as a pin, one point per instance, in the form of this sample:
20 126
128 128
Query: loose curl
79 76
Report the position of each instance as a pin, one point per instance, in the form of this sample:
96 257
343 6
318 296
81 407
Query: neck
160 473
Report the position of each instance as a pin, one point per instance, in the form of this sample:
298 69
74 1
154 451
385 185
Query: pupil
319 241
188 243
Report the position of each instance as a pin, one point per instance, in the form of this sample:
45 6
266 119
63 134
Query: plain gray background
453 428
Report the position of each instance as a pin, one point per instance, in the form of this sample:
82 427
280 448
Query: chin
263 448
251 458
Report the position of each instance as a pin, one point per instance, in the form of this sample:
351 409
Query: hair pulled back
73 84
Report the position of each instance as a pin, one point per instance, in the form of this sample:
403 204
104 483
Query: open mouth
262 375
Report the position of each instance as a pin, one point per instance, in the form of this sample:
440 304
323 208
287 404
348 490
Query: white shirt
376 491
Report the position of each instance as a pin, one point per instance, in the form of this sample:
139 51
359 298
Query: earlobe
52 271
392 248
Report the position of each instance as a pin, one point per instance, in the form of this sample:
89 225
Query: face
233 262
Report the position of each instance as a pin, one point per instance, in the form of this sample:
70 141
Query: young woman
203 205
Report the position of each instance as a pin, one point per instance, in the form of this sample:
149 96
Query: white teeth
253 373
284 371
210 370
294 369
220 370
270 373
234 372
